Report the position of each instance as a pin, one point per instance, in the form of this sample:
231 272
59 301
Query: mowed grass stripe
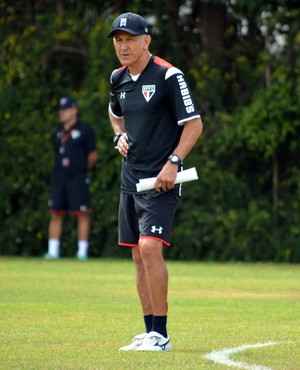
75 315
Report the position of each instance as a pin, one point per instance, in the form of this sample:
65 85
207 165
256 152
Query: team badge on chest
148 91
75 134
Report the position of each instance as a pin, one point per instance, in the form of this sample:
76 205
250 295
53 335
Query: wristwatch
174 159
117 137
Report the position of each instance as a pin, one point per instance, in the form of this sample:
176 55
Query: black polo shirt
155 108
71 149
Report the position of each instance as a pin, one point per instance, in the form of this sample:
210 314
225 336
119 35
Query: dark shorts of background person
147 215
70 194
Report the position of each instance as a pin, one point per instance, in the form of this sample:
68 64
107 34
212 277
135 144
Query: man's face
129 48
66 115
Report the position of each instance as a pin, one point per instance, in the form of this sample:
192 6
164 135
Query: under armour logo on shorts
155 229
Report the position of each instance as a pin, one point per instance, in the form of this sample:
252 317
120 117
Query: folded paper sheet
183 176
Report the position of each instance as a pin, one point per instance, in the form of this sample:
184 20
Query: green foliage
272 116
247 93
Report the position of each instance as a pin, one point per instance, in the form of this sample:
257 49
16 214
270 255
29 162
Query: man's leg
83 229
156 276
143 288
157 279
54 231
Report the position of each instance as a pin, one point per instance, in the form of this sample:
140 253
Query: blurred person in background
75 154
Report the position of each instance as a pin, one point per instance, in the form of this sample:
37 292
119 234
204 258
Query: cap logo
123 22
63 101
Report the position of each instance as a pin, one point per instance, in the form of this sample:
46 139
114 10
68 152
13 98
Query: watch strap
117 137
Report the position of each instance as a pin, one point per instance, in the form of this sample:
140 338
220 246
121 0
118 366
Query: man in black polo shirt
156 124
75 154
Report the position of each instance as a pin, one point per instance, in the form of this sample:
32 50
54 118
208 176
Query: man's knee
150 248
57 217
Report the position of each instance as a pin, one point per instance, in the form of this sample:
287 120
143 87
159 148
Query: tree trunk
212 29
275 169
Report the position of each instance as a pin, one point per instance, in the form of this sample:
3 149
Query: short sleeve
180 96
114 105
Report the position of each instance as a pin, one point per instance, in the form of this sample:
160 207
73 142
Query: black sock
160 325
148 322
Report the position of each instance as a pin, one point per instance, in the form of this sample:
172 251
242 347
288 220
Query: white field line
223 357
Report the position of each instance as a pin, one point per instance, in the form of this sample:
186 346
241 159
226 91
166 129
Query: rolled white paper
183 176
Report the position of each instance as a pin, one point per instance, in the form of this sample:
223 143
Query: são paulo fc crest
75 134
148 91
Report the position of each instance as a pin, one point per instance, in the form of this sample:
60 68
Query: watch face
175 159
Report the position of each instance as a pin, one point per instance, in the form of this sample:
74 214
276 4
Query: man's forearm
117 124
190 134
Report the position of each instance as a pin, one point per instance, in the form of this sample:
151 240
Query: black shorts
148 215
69 194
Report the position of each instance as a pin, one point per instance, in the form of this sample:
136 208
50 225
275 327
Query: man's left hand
166 178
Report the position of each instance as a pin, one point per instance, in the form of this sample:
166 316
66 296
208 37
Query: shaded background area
242 61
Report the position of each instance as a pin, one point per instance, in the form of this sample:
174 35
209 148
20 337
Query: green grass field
67 314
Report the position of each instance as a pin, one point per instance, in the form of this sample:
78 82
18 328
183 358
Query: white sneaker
155 342
49 257
137 341
81 257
